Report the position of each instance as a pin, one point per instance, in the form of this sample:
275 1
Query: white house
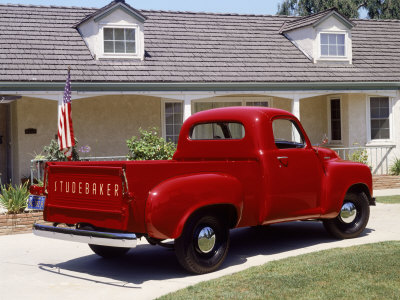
137 68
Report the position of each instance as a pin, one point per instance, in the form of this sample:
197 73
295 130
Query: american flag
66 139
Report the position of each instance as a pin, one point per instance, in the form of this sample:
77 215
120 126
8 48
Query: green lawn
361 272
389 199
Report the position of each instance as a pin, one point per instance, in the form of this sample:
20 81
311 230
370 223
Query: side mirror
323 142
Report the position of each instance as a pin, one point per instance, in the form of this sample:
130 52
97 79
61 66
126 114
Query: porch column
187 107
296 106
296 112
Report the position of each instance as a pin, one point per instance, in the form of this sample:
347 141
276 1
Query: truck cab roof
226 133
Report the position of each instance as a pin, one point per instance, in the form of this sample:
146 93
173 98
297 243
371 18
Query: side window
217 131
287 135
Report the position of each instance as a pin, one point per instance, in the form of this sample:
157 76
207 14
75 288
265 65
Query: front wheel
203 244
352 219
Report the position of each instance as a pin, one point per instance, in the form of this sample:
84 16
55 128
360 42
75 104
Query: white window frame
375 142
331 33
347 48
163 120
120 26
330 98
261 99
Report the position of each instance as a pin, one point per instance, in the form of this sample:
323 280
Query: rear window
217 131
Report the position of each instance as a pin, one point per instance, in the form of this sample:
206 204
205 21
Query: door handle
284 160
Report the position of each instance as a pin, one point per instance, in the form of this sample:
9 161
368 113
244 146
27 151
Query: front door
4 145
295 174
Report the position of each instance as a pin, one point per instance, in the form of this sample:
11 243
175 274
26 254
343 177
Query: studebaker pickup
233 167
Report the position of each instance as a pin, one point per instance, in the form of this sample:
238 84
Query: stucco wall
313 117
30 113
104 123
282 103
355 109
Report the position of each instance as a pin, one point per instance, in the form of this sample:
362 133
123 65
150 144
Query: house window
257 103
336 128
379 114
332 44
173 120
119 40
200 105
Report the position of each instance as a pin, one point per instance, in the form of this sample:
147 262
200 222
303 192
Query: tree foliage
149 146
376 9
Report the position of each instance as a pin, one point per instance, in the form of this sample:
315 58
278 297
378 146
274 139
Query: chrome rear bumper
125 240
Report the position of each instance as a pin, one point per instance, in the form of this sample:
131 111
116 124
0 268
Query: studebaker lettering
233 167
86 188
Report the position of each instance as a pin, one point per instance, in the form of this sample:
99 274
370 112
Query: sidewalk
386 192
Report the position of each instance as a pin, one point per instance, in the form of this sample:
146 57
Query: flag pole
66 138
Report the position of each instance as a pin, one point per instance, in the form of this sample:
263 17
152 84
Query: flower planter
20 223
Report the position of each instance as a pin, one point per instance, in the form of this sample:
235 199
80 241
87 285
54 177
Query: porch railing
37 165
377 158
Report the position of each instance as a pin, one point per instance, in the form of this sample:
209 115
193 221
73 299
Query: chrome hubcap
348 212
206 240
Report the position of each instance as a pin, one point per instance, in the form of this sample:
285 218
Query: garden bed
386 182
20 223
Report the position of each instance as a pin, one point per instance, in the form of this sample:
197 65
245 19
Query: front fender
171 203
341 177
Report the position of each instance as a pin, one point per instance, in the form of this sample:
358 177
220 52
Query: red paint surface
249 175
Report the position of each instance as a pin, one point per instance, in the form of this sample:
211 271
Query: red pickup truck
233 167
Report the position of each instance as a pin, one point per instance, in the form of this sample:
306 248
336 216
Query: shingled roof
314 19
38 43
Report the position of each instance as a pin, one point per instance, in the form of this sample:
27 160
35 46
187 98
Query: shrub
14 199
395 168
53 153
360 156
149 146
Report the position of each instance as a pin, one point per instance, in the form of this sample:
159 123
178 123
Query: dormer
115 31
322 37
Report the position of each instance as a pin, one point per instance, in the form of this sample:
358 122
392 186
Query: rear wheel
352 219
203 244
108 251
105 251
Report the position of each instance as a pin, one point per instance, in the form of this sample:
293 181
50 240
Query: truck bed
113 195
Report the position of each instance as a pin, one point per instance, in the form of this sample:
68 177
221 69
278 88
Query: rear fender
173 201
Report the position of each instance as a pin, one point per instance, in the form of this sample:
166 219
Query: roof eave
197 86
105 11
349 24
130 11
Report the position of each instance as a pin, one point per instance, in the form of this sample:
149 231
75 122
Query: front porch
353 120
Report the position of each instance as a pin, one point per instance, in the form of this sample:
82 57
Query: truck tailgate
87 194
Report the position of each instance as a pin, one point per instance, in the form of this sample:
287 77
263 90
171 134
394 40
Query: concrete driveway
38 268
